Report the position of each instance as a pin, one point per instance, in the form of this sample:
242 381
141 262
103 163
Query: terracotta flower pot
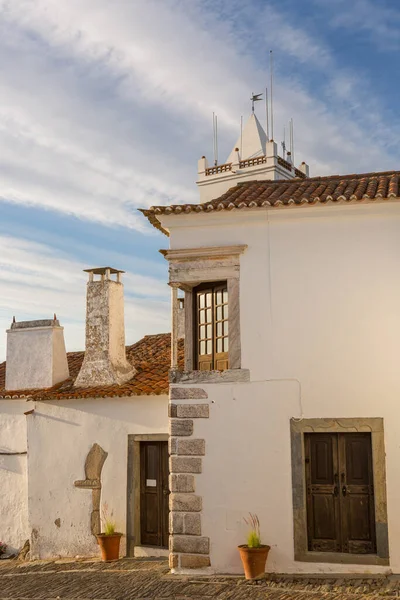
109 545
254 560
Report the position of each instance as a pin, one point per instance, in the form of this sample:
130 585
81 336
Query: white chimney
36 356
105 360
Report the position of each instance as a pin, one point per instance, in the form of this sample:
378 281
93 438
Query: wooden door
154 494
340 494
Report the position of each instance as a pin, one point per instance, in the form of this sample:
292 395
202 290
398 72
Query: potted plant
109 539
253 554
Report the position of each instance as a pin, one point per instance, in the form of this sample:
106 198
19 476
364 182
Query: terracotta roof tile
151 357
296 192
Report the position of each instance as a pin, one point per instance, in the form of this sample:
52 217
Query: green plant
108 521
254 536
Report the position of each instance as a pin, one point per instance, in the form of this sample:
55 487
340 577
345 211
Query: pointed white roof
253 142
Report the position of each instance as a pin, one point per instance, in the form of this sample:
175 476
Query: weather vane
255 98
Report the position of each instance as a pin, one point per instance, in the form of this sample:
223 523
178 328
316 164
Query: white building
288 403
84 428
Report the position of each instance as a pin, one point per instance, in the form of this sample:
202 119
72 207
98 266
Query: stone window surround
189 268
133 487
337 425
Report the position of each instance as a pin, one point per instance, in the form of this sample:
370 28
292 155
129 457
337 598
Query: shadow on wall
12 462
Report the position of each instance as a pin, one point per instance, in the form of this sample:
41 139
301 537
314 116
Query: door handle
344 490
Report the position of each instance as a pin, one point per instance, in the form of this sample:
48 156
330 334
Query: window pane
219 345
202 332
209 297
226 311
226 344
226 328
225 296
219 297
208 315
219 313
202 316
209 347
219 329
202 347
209 331
201 299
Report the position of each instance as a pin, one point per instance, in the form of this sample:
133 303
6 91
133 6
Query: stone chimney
36 356
105 360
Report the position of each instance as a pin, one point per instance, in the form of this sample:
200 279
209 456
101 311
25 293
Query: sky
106 106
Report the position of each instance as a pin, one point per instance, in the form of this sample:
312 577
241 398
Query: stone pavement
148 579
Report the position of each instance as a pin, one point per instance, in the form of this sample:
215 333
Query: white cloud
36 282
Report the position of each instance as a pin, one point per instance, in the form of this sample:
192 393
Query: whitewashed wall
60 436
14 530
320 326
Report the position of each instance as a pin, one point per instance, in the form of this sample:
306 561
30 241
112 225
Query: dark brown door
154 493
340 493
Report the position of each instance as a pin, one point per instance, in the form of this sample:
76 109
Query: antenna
216 140
215 150
266 111
241 136
283 144
214 136
271 66
292 138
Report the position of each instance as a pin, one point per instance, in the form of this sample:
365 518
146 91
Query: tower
253 157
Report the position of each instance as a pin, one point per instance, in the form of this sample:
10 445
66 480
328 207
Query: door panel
154 493
340 499
357 493
322 493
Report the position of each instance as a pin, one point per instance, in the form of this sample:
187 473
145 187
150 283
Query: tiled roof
295 192
151 357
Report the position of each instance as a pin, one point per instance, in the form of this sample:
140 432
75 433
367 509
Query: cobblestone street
146 579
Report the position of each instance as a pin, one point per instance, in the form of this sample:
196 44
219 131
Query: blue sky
106 105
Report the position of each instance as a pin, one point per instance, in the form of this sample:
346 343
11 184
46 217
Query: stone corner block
191 447
181 427
194 561
193 411
187 393
185 464
192 523
181 482
172 410
172 445
190 544
173 561
185 502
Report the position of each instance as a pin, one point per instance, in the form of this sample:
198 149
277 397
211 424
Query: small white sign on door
151 482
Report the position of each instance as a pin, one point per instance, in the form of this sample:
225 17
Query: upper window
212 327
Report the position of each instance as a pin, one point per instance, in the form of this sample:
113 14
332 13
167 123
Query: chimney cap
102 270
35 324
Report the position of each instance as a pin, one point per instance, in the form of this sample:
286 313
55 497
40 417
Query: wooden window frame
215 357
188 268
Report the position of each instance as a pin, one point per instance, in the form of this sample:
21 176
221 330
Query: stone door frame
298 427
133 487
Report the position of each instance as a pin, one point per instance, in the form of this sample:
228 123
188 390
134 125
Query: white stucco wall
14 530
320 328
60 436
